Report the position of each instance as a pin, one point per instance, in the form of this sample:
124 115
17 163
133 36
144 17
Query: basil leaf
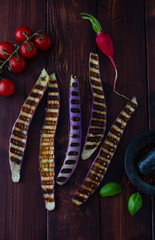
135 203
110 189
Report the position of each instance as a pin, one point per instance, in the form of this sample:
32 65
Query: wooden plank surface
131 26
70 56
21 205
127 29
150 38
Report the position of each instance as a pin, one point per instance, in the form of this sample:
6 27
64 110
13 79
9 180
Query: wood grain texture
150 38
72 45
126 26
21 205
131 25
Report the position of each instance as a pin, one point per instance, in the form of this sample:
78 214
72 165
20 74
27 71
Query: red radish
105 44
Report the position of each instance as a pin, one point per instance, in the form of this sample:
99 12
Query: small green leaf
110 189
135 203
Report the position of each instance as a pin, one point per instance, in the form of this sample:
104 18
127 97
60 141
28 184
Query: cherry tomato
17 63
7 87
28 50
21 32
6 48
43 41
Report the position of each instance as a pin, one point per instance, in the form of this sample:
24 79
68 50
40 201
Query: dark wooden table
131 24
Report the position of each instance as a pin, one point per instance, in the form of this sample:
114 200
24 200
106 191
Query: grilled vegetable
74 144
46 149
102 161
97 124
147 164
19 133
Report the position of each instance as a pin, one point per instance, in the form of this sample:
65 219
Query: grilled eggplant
97 123
100 165
18 138
46 149
74 144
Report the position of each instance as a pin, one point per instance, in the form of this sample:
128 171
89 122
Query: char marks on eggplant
18 138
74 144
100 164
46 149
97 123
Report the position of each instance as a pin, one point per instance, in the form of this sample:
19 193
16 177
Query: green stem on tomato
9 68
25 34
41 37
4 52
29 47
18 47
18 58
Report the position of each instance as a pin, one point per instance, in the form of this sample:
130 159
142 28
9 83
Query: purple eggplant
97 123
100 165
18 138
74 144
46 149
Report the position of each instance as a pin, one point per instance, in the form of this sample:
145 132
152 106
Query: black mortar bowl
136 148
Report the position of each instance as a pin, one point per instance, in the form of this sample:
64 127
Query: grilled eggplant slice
18 138
97 123
74 144
46 149
100 165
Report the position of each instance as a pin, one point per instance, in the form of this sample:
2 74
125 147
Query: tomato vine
17 49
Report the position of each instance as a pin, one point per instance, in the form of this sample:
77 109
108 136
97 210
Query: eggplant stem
115 80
